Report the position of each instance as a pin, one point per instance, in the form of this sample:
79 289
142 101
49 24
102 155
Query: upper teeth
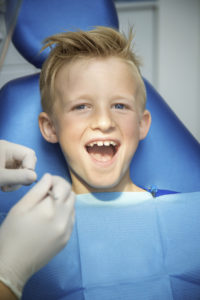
102 143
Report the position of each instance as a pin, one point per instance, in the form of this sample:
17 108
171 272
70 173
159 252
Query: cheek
130 128
69 133
66 126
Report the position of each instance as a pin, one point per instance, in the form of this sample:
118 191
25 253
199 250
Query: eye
81 107
119 106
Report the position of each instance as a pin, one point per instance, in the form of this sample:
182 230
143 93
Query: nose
103 120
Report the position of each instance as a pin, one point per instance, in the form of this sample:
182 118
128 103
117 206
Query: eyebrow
123 96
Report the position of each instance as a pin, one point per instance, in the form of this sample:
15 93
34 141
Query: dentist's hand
17 164
35 230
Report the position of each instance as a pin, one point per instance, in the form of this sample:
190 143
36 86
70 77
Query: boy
124 244
93 98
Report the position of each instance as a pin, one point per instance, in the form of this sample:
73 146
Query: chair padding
39 19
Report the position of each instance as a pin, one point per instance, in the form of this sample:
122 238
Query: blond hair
101 42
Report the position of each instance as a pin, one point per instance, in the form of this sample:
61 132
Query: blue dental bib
126 246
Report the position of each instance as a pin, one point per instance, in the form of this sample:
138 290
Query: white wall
168 40
179 59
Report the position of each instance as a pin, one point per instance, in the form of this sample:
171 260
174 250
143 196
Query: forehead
96 75
87 65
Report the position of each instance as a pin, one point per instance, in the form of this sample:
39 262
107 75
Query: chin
83 184
105 187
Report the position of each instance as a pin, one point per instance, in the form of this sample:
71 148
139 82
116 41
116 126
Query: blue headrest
39 19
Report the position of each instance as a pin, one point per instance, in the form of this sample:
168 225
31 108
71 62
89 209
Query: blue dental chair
168 158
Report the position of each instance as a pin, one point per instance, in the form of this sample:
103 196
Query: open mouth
102 151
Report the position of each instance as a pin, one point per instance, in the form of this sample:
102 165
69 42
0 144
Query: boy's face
97 122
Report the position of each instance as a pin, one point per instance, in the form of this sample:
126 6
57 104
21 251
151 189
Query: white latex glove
35 230
17 164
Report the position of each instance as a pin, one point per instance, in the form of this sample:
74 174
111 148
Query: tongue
101 153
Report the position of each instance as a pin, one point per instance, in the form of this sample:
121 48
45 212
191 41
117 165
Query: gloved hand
36 229
17 164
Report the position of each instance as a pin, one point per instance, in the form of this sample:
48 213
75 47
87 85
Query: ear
145 123
47 128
